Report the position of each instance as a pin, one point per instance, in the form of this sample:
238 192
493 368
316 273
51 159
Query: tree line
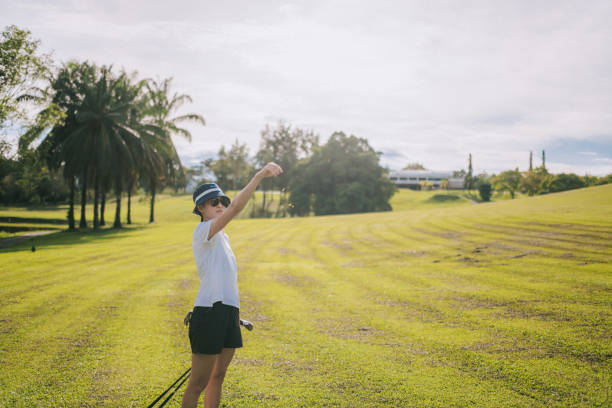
101 132
534 181
97 131
341 176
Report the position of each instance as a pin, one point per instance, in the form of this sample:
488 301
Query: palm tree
67 90
101 133
114 128
161 108
131 177
148 153
129 94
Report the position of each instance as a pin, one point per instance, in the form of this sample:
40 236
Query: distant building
413 178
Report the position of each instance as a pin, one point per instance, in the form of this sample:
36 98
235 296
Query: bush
555 183
484 189
341 177
441 198
605 180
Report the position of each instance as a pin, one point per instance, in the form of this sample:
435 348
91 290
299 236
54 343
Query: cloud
431 81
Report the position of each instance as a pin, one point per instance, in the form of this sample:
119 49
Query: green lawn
437 304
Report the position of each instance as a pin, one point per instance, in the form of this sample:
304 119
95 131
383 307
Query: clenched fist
271 170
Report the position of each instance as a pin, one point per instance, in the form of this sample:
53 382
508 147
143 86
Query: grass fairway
505 304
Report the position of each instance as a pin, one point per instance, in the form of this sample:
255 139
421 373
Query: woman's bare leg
212 396
201 369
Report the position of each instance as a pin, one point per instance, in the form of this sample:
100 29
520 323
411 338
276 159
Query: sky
424 81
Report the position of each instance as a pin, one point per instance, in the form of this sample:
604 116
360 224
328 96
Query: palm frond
190 117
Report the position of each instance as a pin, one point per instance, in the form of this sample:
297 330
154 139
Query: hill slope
502 305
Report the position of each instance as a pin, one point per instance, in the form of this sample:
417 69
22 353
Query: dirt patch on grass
468 259
346 329
251 309
499 346
260 396
597 229
354 264
287 278
186 284
471 303
559 234
502 245
412 253
290 366
515 312
6 327
250 362
345 246
291 252
76 341
442 234
523 254
416 311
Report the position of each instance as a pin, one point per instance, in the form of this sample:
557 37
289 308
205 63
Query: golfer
214 331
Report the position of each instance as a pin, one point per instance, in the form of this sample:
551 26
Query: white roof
422 173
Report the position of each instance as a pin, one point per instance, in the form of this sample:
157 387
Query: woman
214 331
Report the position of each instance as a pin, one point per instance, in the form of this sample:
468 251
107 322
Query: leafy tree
484 189
605 180
22 67
343 176
509 180
469 177
232 168
561 182
414 166
530 160
532 180
459 173
26 179
285 146
197 174
426 185
590 181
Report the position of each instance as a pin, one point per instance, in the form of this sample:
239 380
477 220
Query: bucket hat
207 192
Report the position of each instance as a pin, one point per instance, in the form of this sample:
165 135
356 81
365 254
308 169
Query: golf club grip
248 325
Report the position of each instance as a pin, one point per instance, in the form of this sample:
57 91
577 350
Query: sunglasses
215 202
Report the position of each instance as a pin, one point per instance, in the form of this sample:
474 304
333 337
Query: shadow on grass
11 229
443 198
25 220
41 207
474 196
71 238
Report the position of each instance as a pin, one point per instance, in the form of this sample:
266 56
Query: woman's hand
271 170
242 198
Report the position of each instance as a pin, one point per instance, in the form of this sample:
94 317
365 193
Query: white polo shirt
216 267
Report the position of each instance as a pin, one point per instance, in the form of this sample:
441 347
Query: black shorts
213 328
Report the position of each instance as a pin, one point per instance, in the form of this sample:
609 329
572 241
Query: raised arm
242 198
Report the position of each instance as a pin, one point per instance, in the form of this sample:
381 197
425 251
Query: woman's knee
197 386
218 374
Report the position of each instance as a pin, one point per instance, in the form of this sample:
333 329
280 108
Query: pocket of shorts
199 315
